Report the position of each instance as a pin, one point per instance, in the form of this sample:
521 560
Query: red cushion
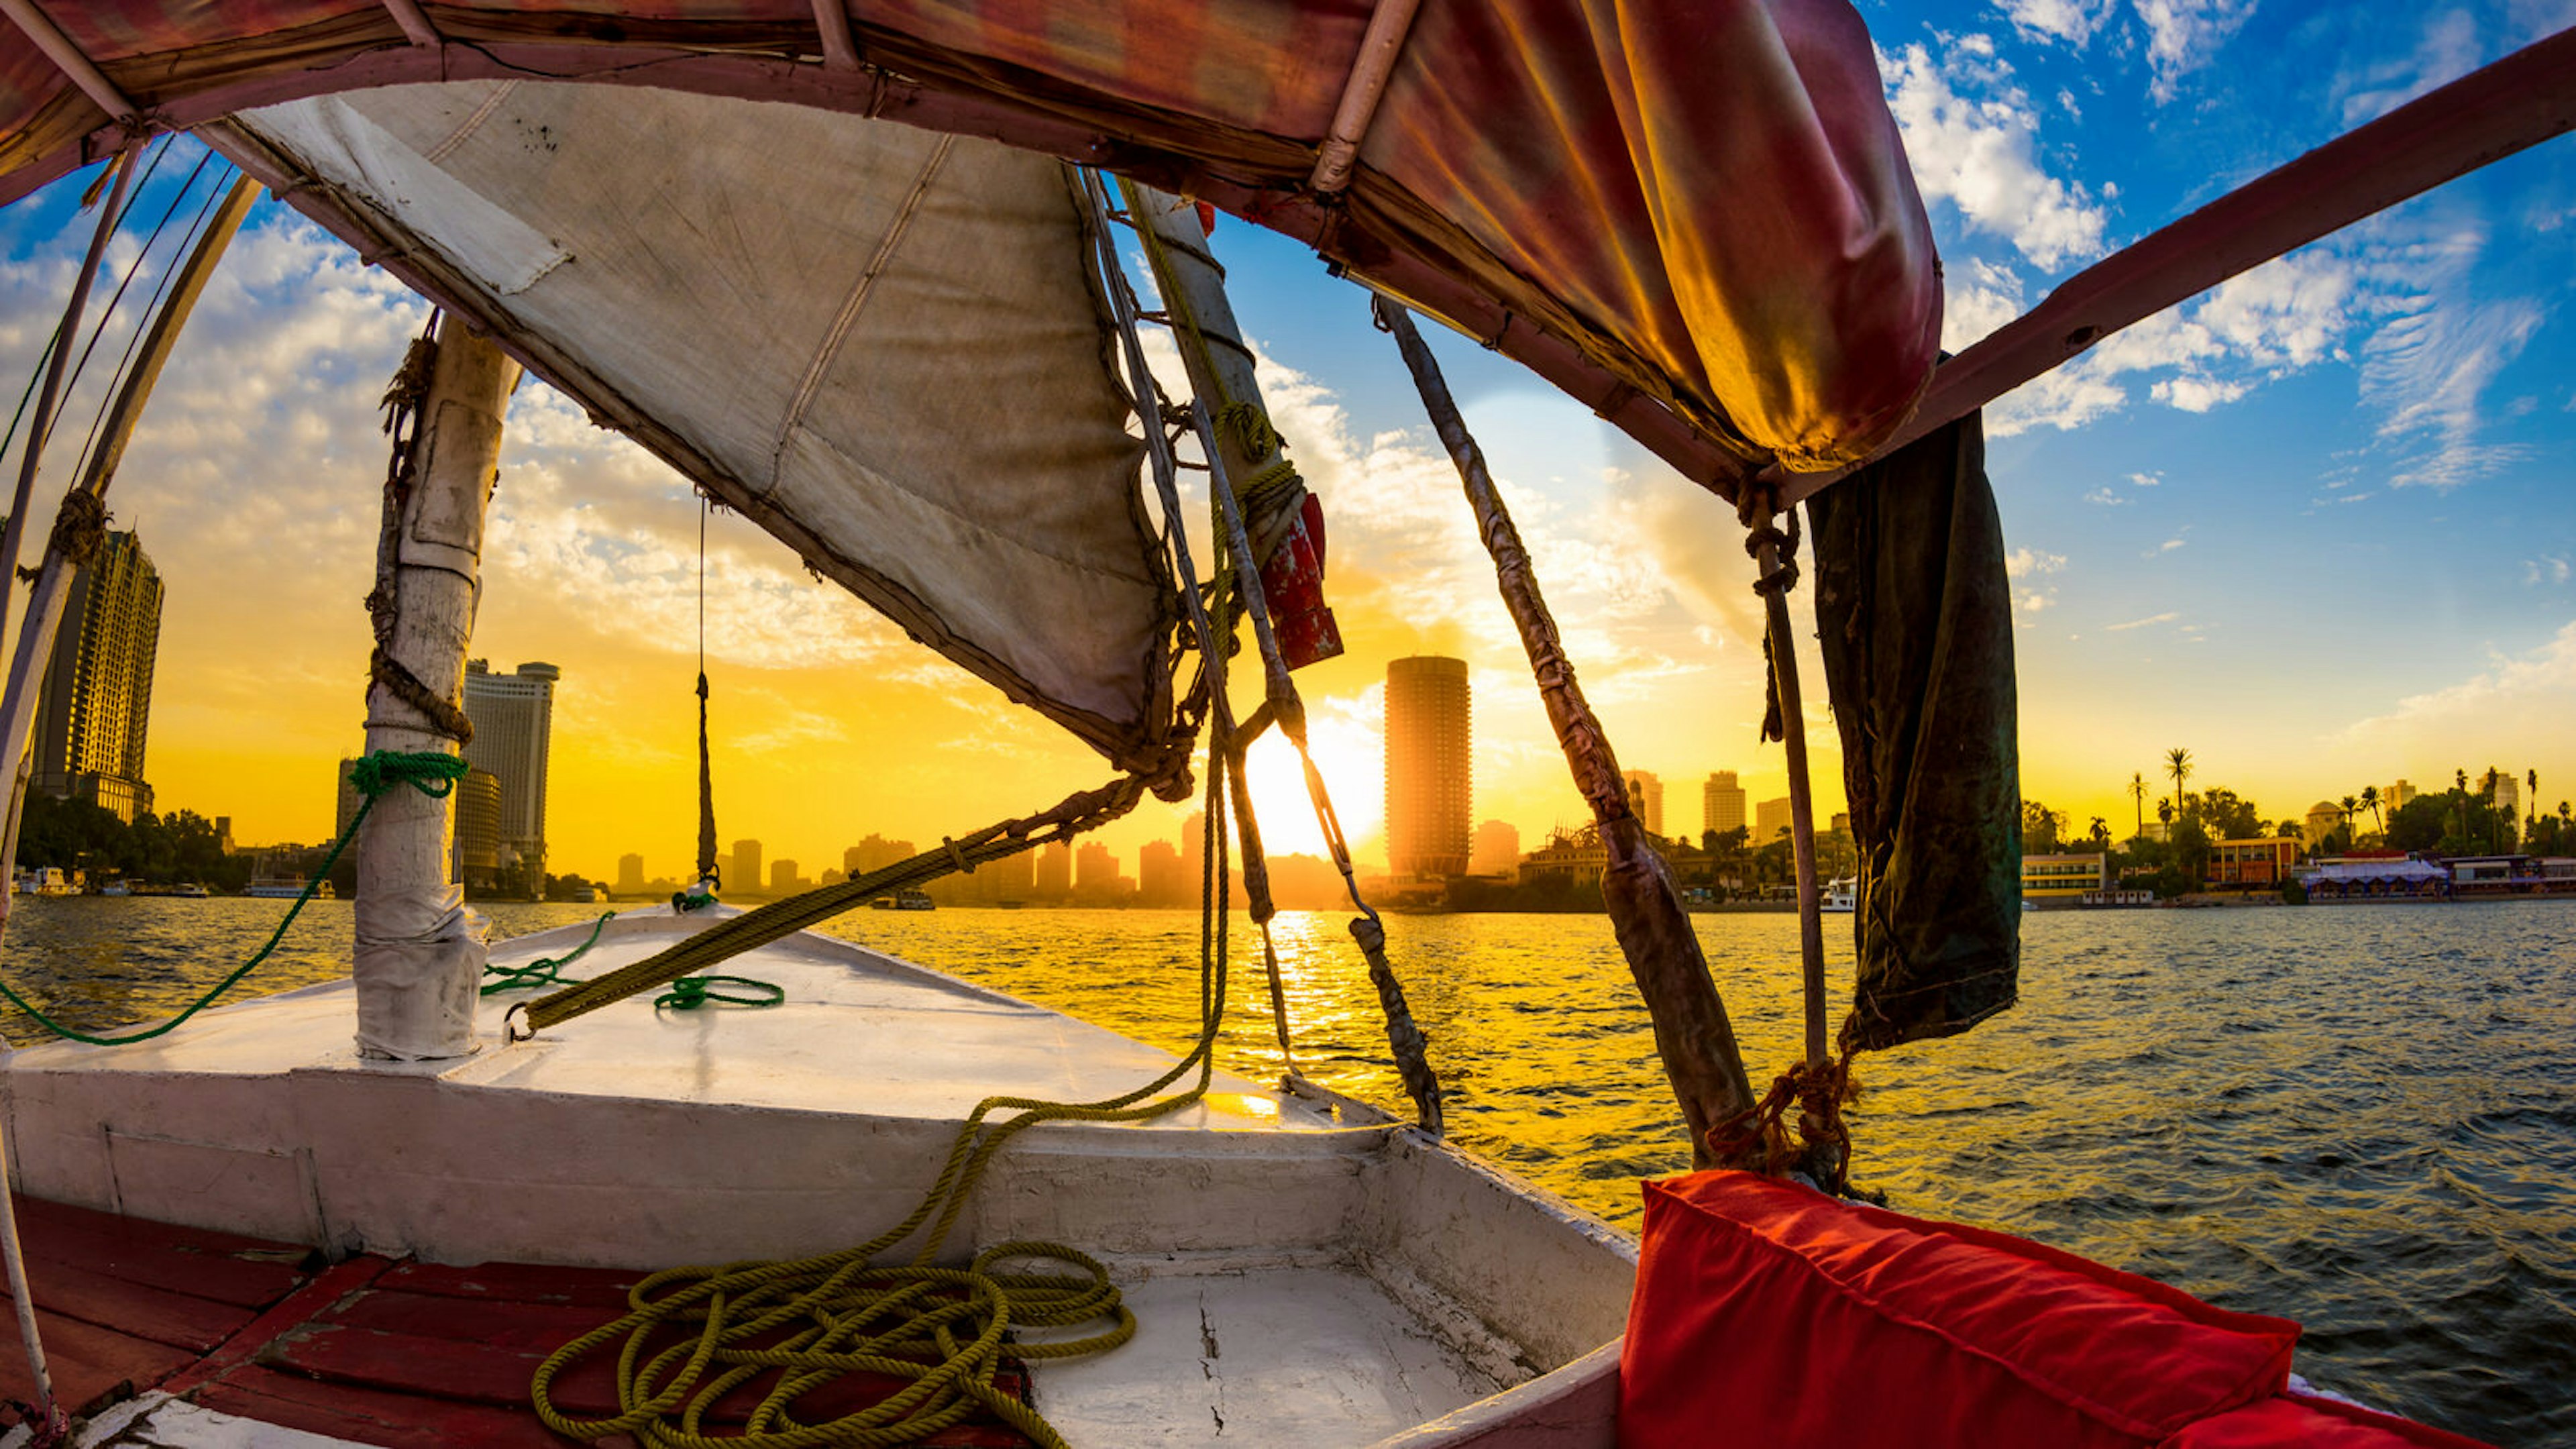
2312 1424
1768 1314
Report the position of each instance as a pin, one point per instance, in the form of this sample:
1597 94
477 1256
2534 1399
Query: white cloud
2024 562
2549 568
1973 138
2196 394
2107 498
2169 545
1975 306
2429 365
2147 480
2448 49
2519 704
2147 622
2183 34
2072 21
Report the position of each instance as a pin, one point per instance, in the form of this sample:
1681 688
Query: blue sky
2317 527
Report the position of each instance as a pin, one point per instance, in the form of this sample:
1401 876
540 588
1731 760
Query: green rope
545 970
432 773
688 993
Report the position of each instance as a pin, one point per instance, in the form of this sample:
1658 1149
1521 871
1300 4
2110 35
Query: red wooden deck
372 1350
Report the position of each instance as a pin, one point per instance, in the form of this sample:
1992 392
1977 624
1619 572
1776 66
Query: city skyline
2317 525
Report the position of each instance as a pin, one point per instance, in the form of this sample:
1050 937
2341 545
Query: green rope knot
545 970
688 993
432 772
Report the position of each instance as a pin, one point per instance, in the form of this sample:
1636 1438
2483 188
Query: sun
1352 775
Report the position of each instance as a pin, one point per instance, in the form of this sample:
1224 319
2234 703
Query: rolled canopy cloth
1915 614
1695 216
884 345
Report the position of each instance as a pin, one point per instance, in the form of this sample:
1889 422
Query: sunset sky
2317 527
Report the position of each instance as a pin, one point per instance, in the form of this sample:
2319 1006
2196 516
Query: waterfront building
1577 855
1497 851
1095 871
1428 780
1158 875
96 706
513 717
475 851
1770 820
2252 864
2393 798
2062 879
783 879
1646 800
350 798
2507 797
1014 877
2324 818
630 875
875 853
1721 803
1054 871
745 875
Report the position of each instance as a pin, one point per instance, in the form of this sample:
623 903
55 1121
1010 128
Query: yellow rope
944 1329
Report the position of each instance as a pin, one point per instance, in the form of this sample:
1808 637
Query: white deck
1298 1280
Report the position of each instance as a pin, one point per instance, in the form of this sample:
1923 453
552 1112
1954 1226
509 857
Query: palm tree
2101 831
2138 793
2164 812
2370 801
2178 765
2349 805
2531 778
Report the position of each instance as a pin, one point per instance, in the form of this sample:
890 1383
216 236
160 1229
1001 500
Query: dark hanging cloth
1916 617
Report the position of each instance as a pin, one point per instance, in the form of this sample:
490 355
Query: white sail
882 344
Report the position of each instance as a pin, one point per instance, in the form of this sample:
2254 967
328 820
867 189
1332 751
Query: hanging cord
1758 1139
703 893
1281 705
543 971
433 774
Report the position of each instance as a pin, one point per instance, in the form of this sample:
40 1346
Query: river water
2362 1118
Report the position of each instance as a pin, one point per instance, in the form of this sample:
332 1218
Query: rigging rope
545 970
431 773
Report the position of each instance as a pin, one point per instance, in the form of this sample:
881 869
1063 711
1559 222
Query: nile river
2363 1118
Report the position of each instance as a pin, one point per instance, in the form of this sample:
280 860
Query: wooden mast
419 958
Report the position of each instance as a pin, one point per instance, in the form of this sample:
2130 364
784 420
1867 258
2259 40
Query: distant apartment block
1646 800
1721 803
2394 797
784 880
1770 820
97 704
1054 871
875 853
1498 849
1428 770
745 874
1095 870
630 875
514 717
1158 876
475 854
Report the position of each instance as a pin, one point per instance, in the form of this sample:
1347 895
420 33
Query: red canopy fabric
1693 215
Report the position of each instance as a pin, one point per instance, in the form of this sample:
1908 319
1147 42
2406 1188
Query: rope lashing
80 531
691 992
401 403
1753 509
545 970
1758 1139
432 773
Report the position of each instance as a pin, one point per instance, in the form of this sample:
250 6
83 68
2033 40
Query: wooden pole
40 423
1692 1032
419 959
1802 811
45 605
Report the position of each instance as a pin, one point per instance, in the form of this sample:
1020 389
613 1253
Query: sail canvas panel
1693 215
883 344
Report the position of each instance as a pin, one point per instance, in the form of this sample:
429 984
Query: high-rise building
1498 849
514 717
745 875
1158 875
1054 871
98 686
2508 797
2394 798
350 798
1646 799
783 879
1095 870
1428 779
875 853
630 875
1721 803
475 854
1014 877
1770 820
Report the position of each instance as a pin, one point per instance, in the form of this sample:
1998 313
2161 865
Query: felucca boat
856 271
